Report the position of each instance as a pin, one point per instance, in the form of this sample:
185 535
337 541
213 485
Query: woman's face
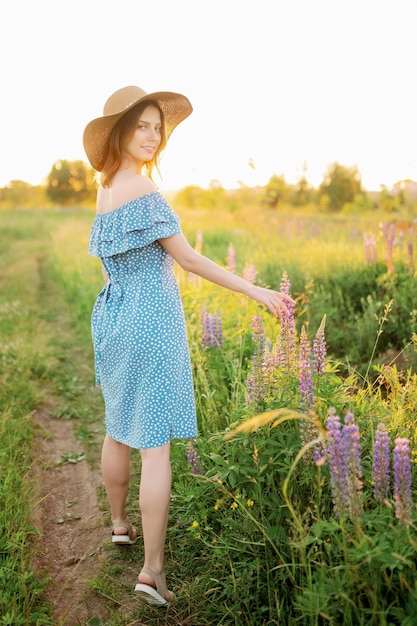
146 138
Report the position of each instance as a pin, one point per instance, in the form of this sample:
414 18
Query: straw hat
174 106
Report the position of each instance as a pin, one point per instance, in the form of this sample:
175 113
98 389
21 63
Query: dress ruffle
135 224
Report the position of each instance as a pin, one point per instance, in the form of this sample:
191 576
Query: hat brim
174 106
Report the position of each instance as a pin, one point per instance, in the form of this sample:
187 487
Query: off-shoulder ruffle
135 224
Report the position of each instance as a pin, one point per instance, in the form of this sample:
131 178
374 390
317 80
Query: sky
284 87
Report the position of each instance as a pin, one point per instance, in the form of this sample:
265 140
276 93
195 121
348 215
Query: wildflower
370 249
410 259
199 241
353 468
195 524
336 459
249 273
234 505
231 259
381 463
319 349
255 379
287 357
304 364
211 330
249 502
402 480
193 459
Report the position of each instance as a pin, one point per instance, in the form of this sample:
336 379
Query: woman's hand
275 301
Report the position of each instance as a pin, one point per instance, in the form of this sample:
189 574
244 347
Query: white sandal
126 539
149 593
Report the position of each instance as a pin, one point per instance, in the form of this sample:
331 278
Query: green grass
253 541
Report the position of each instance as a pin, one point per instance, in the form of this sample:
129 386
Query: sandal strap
131 531
159 580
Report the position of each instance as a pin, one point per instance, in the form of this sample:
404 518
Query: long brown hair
120 133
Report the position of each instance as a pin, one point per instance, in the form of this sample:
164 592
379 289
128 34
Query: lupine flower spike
381 462
211 330
351 445
287 346
320 349
193 459
336 461
402 480
304 364
256 379
249 273
231 259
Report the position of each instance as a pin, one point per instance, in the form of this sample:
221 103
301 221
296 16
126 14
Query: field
296 503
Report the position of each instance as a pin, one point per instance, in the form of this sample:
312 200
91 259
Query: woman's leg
154 498
115 469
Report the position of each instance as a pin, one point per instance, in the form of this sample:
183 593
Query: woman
139 333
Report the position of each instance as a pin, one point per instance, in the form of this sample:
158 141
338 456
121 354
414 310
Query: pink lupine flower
319 349
199 241
249 273
410 259
371 255
256 379
231 259
402 480
381 463
287 345
304 364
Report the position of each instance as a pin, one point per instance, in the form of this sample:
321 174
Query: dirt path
72 532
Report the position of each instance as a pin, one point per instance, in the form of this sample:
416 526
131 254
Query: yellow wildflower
234 505
194 524
250 502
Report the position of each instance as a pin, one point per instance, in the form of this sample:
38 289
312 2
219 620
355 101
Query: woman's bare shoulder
123 191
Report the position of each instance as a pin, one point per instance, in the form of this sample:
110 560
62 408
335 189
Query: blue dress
141 350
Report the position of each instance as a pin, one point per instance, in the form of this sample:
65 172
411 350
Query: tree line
74 184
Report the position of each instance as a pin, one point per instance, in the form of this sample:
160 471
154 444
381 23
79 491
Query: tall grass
253 539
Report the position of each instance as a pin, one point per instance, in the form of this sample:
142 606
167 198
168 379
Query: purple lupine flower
255 379
336 461
319 349
194 461
287 345
402 480
305 373
381 463
249 273
231 259
353 467
211 330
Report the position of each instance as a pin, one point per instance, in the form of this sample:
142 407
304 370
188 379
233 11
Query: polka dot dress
139 334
